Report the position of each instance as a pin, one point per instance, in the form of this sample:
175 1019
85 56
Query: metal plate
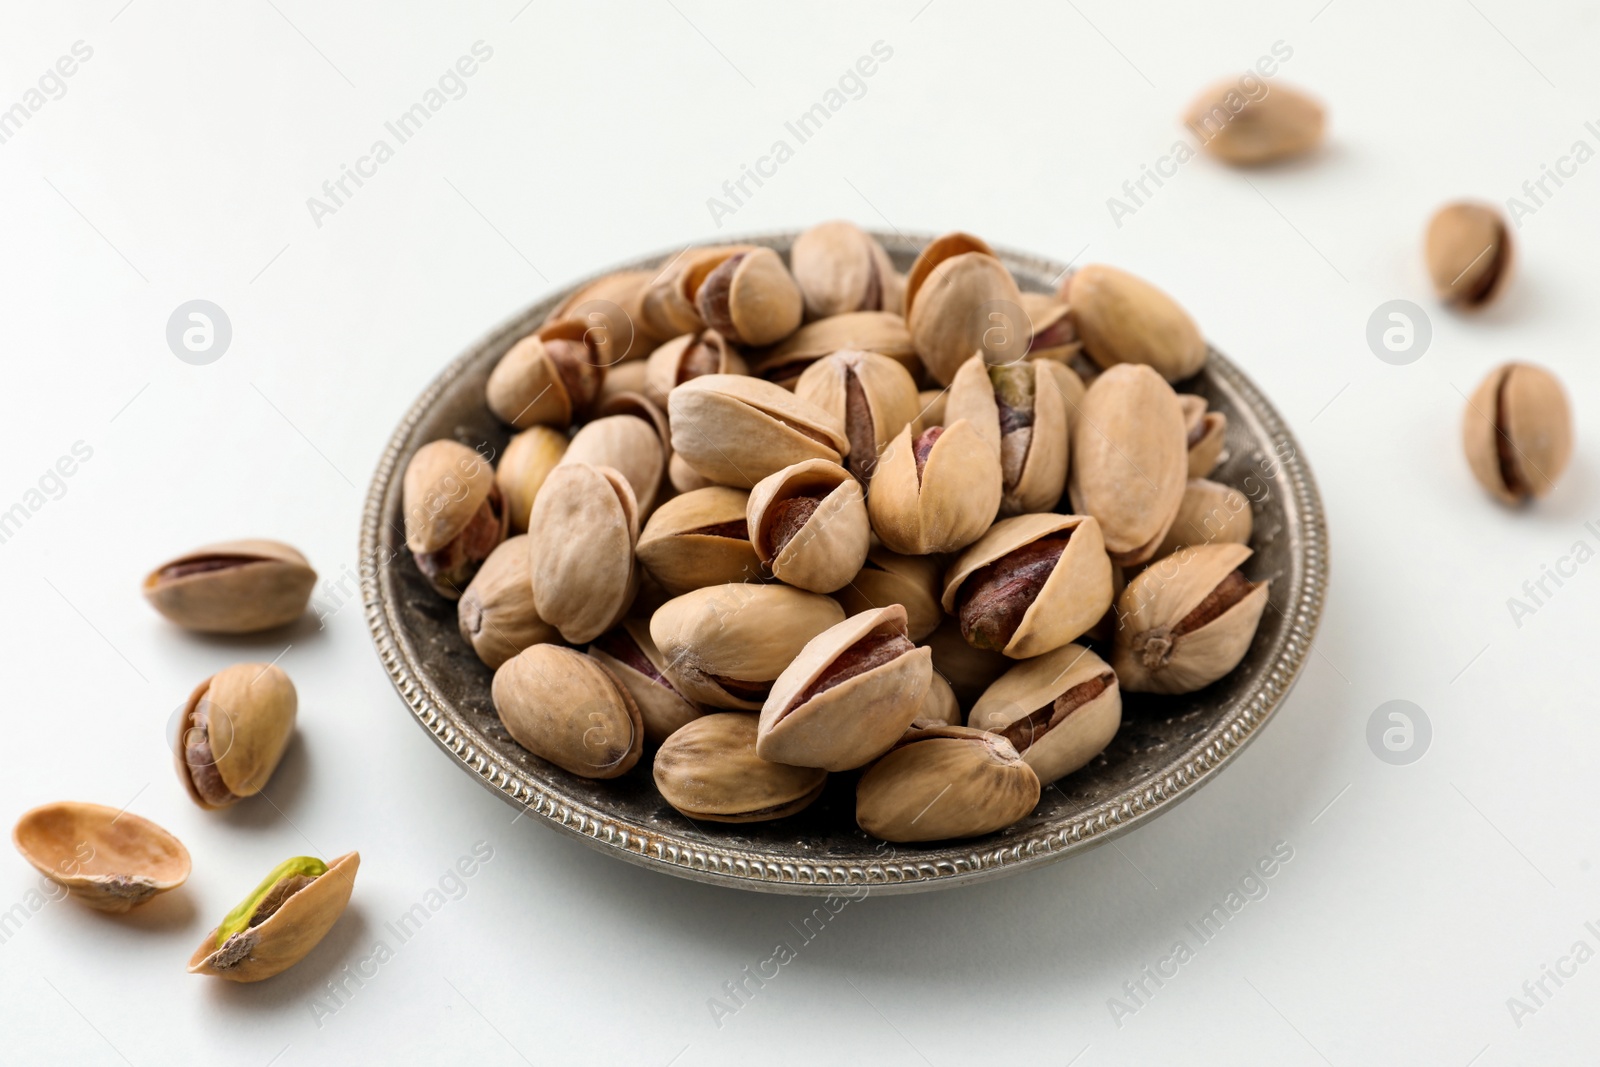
1166 749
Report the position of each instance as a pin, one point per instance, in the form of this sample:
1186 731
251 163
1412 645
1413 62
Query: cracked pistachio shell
1052 336
913 582
848 696
496 615
1130 460
736 430
1207 431
698 539
726 644
291 915
940 704
1210 513
633 660
1000 583
566 708
1249 131
841 268
234 587
882 332
809 525
961 299
549 378
1020 410
1517 432
528 459
105 858
871 396
942 782
627 444
233 733
1469 254
710 772
946 505
1186 620
968 670
748 296
445 485
686 357
611 307
667 306
1059 710
581 537
1124 319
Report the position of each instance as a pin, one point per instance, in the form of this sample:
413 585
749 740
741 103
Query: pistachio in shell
872 396
1207 431
1469 253
940 704
235 587
689 356
527 461
626 377
1058 710
961 299
969 670
1052 336
1210 513
454 514
667 306
280 922
633 660
639 406
930 404
1122 318
736 430
1020 409
628 445
942 782
1250 130
1517 432
549 378
233 733
581 538
496 614
913 582
839 268
698 539
935 492
882 332
105 858
808 524
611 309
748 296
684 478
566 708
709 771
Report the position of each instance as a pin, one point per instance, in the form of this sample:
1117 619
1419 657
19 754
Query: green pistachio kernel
239 918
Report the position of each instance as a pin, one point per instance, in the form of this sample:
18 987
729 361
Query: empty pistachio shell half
882 332
1021 410
581 538
840 268
527 461
1058 710
1240 127
565 707
1517 432
689 356
709 770
961 299
235 587
941 782
809 525
233 733
638 666
698 539
628 445
937 491
848 695
1207 430
1124 319
1210 512
872 396
1187 620
107 859
913 582
454 514
1469 253
496 614
549 378
280 922
736 430
748 296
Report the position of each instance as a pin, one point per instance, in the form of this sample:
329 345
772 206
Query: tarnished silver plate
1167 747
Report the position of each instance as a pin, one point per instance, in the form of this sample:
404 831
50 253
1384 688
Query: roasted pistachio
611 307
454 514
686 357
635 663
640 407
549 378
747 295
709 771
1124 319
233 733
736 430
913 582
1052 336
871 396
1058 710
1246 129
936 492
941 782
1020 410
280 922
809 526
1207 430
866 331
1469 252
968 670
628 445
1210 513
961 299
626 377
1517 432
496 615
581 538
105 858
684 478
235 587
527 461
841 268
700 538
667 306
566 708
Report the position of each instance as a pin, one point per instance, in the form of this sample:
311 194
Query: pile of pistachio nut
775 520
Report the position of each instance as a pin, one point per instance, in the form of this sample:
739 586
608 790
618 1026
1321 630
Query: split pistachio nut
943 782
736 430
496 615
1248 130
698 539
1124 319
1130 460
667 305
105 858
840 268
872 396
1187 620
848 696
882 332
913 582
725 645
627 444
454 514
808 524
1030 584
936 492
611 309
1207 431
233 733
746 295
527 461
1469 253
1052 335
280 922
236 587
566 708
1021 410
633 660
709 771
1517 432
689 356
582 533
1210 513
961 299
549 378
1059 710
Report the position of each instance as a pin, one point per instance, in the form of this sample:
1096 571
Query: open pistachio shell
565 707
496 614
633 660
913 582
709 771
942 782
872 396
686 357
1469 253
1021 410
748 297
1517 432
280 922
1058 710
234 587
936 492
581 538
1248 130
628 445
107 859
527 461
611 307
698 539
1124 319
233 734
736 430
1207 431
667 305
840 268
1053 337
809 525
1210 513
866 331
961 299
549 378
454 514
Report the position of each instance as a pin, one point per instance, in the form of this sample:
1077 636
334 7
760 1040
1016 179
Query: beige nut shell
1247 130
709 771
566 708
736 430
887 578
444 486
1518 422
290 933
953 502
662 709
251 710
1041 471
961 299
105 858
1122 318
882 332
680 556
496 614
268 584
582 532
830 547
887 401
1055 748
945 782
627 444
1210 512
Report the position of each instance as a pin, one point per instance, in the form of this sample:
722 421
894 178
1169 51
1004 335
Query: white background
178 165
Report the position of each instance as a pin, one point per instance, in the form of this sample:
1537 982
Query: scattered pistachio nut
1469 253
1124 319
1517 432
935 492
638 666
582 533
1059 710
840 268
1245 129
736 430
1021 410
913 582
808 524
961 299
872 396
236 587
527 461
454 514
233 733
280 922
941 782
496 615
709 771
698 539
105 858
629 445
549 378
566 708
1210 513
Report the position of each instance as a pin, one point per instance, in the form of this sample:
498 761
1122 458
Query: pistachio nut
235 587
611 307
940 782
496 615
626 377
709 771
280 922
936 492
1186 620
1211 513
808 523
454 514
1517 432
105 858
581 537
1130 460
871 396
529 458
1469 252
566 708
736 430
1020 410
940 705
1207 430
628 445
848 695
640 407
1030 584
684 478
882 332
840 268
689 356
638 666
969 670
747 295
549 378
233 733
698 539
1052 336
1247 130
930 402
726 644
913 582
667 306
961 299
1124 319
1059 710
